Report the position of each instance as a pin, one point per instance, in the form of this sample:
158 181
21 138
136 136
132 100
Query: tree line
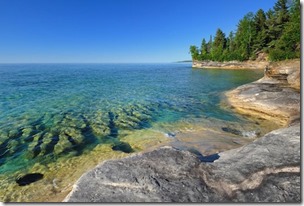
275 32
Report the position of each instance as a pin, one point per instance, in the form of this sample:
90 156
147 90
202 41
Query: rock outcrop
231 64
275 97
286 72
267 170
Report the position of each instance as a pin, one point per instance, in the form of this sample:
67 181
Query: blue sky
113 31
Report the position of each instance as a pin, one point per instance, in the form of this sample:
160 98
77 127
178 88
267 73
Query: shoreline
230 64
290 112
278 91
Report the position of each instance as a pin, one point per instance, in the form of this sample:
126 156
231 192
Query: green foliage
244 36
260 37
288 45
218 46
276 32
194 52
279 54
204 50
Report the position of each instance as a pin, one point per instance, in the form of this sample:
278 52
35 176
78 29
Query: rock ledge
267 170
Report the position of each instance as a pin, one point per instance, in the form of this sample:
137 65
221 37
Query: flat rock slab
267 99
266 170
163 175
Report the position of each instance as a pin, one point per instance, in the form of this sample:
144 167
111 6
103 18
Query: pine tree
277 18
194 52
260 38
288 45
244 37
276 32
209 46
204 50
218 45
231 46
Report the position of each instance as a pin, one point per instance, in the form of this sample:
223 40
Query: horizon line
185 61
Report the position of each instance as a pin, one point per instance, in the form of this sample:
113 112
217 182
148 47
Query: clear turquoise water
52 110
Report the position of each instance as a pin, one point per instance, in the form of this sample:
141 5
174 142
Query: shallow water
61 119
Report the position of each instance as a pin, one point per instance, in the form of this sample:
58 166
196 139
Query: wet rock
232 131
99 131
29 178
123 147
170 134
62 144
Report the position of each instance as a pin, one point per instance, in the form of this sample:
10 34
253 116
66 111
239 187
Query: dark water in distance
52 110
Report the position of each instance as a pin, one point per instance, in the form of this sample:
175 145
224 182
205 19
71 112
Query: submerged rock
232 131
29 178
123 147
266 170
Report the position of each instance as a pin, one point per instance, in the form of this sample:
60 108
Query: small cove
62 119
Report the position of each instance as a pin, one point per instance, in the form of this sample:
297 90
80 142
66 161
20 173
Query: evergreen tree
218 45
244 37
210 42
231 45
276 21
230 52
276 32
204 50
288 45
194 52
260 38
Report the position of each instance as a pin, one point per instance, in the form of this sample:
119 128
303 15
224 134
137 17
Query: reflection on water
58 120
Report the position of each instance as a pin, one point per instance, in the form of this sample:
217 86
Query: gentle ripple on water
56 118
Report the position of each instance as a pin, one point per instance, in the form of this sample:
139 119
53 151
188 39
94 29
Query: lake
61 119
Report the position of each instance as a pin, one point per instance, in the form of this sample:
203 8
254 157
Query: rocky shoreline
275 97
230 65
266 170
